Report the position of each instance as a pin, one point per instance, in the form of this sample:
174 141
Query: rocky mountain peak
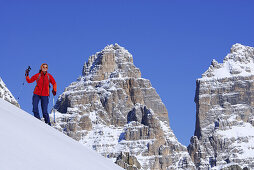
114 111
6 94
239 62
225 116
239 48
113 61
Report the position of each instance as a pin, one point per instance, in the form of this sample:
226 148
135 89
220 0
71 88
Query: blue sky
172 43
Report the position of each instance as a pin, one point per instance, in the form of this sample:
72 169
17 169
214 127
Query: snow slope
28 144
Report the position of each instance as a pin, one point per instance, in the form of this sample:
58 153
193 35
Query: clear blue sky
172 42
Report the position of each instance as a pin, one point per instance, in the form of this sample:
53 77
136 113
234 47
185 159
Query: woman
41 91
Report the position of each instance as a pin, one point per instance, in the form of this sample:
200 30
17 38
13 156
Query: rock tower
224 132
114 111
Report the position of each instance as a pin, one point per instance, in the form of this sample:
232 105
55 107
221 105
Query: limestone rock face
6 94
224 99
128 162
114 111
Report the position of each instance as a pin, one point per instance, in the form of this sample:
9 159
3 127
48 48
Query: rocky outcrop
6 94
128 162
224 99
114 111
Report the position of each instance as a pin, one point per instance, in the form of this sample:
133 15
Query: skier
41 91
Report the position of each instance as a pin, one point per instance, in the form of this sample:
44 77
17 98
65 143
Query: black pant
44 107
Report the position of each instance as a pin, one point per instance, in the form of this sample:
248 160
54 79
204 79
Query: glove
27 72
54 92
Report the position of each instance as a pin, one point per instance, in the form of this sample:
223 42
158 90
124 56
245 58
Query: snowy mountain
238 63
224 132
114 111
6 94
28 144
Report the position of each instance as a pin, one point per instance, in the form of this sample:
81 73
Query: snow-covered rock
28 144
6 94
114 111
238 63
224 99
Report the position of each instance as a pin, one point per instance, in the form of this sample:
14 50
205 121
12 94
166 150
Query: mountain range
111 109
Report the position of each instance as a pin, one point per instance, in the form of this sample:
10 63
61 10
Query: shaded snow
28 144
223 166
238 131
246 144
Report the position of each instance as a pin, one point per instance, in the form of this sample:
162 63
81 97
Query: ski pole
21 90
54 110
27 72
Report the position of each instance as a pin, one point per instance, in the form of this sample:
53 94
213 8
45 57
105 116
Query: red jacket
42 87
